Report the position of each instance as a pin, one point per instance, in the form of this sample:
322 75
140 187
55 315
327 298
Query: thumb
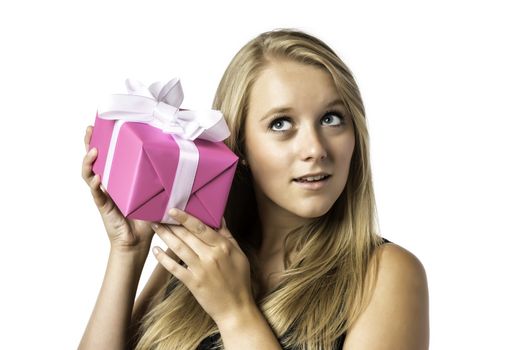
225 232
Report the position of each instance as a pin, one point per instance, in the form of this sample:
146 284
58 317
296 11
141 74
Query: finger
99 196
176 245
193 241
87 137
225 232
93 181
87 164
195 226
172 255
172 266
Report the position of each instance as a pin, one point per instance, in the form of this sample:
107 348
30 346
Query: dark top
207 343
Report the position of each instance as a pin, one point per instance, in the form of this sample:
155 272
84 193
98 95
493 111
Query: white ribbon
158 106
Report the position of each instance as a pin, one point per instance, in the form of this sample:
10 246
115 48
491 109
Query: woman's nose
312 145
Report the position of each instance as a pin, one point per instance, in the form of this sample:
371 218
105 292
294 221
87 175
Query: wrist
128 253
248 329
136 249
129 263
239 318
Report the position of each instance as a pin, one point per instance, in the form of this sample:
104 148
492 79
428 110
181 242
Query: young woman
298 262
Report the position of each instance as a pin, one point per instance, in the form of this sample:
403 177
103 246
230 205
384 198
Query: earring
243 162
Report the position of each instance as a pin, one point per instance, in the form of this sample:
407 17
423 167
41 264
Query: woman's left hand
218 271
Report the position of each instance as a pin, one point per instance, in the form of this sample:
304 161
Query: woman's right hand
124 234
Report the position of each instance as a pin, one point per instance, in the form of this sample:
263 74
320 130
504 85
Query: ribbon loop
165 114
159 106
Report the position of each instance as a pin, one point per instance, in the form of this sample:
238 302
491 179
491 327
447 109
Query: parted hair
329 282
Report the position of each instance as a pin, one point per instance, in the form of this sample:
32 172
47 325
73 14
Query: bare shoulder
396 261
397 314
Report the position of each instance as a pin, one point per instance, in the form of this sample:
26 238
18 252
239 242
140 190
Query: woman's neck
275 224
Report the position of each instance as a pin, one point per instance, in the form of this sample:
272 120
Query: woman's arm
108 326
130 240
248 329
146 300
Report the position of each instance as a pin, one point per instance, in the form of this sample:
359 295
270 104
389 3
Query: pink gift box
144 167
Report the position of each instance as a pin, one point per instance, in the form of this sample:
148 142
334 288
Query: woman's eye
279 124
332 119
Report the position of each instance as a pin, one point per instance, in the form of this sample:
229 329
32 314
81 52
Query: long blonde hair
328 284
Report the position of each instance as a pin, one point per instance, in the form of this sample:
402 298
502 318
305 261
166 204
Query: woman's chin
312 213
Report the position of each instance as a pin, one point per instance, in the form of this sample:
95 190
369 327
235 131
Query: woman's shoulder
398 266
398 307
394 258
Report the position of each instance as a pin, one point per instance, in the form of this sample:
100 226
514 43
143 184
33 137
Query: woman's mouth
313 182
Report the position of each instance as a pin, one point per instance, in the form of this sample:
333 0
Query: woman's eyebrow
336 102
278 110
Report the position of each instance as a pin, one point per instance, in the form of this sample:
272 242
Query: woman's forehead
290 85
291 74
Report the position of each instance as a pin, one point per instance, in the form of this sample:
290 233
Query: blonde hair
326 287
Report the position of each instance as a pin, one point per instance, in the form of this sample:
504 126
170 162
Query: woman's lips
312 185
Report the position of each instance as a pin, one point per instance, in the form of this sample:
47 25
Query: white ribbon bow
159 106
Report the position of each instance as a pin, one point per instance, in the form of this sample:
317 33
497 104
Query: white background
443 88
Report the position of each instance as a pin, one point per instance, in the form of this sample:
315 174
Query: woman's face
296 126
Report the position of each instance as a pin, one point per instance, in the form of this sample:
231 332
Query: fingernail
156 250
93 151
155 226
174 212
